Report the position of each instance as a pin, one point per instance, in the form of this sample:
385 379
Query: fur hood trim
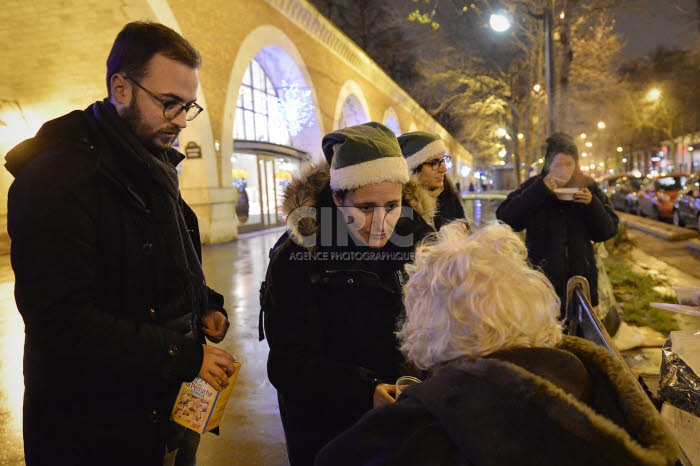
308 191
644 439
420 200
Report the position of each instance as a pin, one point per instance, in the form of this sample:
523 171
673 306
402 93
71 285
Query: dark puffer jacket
102 362
573 405
560 234
331 311
449 205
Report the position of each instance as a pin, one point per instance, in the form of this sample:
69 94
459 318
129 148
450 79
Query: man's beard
144 133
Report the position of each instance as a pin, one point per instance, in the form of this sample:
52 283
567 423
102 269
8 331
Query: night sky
657 22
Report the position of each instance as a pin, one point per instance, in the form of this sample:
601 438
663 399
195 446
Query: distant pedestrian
560 232
108 271
428 160
332 300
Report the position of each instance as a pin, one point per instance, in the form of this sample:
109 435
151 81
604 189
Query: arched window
258 114
352 112
393 125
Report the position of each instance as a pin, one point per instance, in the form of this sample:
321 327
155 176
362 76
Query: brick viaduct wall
54 62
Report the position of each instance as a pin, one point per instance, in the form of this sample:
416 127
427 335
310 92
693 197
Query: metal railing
582 321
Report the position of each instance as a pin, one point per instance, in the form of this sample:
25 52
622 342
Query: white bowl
687 295
566 194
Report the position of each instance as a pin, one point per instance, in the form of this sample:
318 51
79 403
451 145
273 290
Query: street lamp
500 22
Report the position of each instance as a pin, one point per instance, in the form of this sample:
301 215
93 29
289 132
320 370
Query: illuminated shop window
259 113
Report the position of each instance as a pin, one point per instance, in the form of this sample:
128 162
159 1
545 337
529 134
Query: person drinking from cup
333 297
506 387
560 233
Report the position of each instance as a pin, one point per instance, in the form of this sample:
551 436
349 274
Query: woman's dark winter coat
429 213
330 311
560 234
103 360
449 205
573 405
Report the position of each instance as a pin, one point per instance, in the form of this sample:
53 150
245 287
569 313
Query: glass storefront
263 161
259 173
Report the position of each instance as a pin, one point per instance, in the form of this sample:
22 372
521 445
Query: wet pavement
251 432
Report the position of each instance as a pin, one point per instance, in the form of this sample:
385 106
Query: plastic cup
403 382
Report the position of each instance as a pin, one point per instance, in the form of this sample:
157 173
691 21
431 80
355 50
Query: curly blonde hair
472 294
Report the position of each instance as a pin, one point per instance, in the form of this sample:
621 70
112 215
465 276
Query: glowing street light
583 136
601 125
499 22
619 149
654 94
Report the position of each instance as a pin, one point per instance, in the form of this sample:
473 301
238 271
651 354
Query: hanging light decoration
295 106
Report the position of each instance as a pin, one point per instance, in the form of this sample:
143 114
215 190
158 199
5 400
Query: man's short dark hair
139 41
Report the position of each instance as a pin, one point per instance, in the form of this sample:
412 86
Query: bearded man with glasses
107 260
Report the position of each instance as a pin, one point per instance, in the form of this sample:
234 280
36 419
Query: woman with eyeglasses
428 161
332 297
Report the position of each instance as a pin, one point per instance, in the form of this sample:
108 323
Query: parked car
607 184
658 196
622 191
687 207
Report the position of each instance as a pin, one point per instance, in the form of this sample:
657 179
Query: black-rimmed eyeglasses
172 108
435 164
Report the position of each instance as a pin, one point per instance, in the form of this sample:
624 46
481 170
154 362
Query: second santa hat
418 147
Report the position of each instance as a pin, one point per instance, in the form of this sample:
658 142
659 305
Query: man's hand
583 196
215 325
217 366
384 394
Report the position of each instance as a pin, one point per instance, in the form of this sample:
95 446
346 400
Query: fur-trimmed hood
574 405
421 200
310 189
612 418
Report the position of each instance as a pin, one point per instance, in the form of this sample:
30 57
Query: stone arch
391 120
282 62
351 106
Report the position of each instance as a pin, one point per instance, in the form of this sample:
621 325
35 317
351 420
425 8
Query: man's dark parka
102 362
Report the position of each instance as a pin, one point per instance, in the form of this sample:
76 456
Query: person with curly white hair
506 387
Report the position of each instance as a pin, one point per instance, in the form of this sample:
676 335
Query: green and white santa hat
363 154
420 146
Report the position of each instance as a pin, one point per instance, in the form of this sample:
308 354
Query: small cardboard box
199 407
